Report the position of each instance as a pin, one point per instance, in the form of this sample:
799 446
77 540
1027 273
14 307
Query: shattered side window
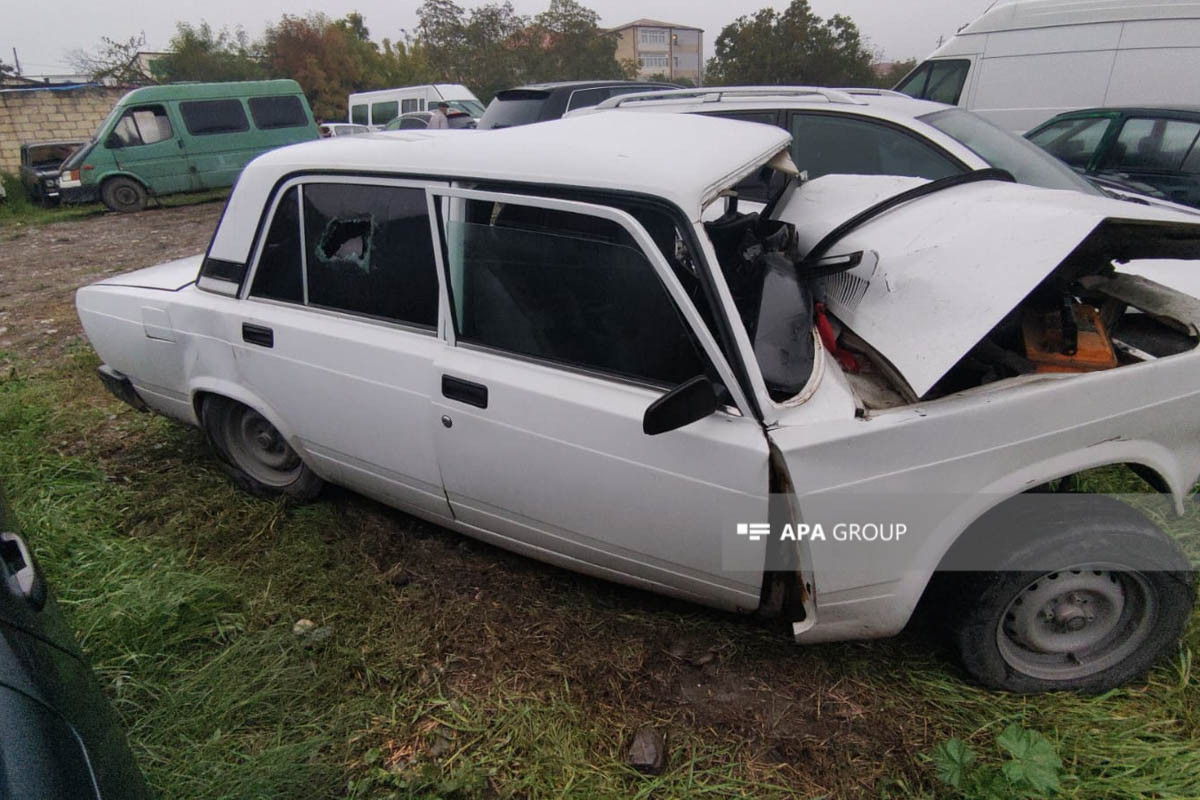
369 251
278 276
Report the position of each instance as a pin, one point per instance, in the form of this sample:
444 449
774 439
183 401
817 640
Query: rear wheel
255 454
123 194
1091 600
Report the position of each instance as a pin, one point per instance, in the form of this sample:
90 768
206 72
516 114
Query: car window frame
268 218
881 122
442 202
1105 165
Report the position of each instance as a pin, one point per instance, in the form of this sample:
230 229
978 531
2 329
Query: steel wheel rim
259 449
125 195
1076 622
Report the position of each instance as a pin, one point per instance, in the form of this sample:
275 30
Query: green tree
197 53
565 42
483 49
794 46
326 57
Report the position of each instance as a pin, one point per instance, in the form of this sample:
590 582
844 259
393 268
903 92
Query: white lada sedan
567 340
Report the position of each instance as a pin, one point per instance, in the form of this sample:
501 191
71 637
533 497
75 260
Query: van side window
204 117
410 105
279 276
369 250
142 125
280 111
383 113
566 288
358 114
940 81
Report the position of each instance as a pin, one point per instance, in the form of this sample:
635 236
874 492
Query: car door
564 323
1158 151
337 333
146 142
220 141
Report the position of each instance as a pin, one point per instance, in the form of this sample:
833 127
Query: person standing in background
437 118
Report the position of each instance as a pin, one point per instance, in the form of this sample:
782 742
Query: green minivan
184 137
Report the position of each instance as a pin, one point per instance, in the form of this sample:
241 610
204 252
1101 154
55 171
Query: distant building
661 48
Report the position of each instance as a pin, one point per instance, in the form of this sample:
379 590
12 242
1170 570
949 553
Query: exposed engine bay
934 290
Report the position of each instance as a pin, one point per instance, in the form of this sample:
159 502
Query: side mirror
688 402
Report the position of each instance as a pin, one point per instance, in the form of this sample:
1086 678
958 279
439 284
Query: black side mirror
688 402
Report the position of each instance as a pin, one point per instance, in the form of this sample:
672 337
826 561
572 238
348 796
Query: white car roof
684 159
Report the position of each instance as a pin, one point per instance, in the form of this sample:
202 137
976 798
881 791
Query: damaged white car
548 347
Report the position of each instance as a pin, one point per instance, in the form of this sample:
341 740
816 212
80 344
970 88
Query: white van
1023 62
380 107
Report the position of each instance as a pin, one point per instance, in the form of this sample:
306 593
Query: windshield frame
1032 165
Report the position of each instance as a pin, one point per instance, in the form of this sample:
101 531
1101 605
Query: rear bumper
121 387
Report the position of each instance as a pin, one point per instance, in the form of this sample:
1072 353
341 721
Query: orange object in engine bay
1071 338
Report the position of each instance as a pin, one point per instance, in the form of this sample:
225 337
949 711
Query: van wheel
1092 600
255 454
123 194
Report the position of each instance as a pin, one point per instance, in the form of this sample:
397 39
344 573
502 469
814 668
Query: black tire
123 194
254 454
1088 596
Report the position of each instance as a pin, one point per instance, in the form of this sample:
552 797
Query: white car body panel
557 467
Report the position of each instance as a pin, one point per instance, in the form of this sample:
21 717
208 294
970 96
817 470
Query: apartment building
661 48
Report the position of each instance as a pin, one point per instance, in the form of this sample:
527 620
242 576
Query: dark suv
1153 151
539 102
59 737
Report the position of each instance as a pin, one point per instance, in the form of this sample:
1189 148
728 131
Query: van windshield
1027 162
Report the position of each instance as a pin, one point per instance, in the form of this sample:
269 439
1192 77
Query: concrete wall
38 114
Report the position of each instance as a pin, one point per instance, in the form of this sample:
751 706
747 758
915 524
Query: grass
18 209
455 671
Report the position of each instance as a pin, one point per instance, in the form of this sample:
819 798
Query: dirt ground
639 657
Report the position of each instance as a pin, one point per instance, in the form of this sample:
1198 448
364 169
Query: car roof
1152 110
684 159
564 85
755 97
1053 13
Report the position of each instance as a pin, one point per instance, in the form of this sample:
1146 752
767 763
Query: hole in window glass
278 276
567 288
204 117
277 112
369 251
824 144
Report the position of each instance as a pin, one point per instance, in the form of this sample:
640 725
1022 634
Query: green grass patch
18 209
480 675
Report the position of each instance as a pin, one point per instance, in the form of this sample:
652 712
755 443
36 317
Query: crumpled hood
171 275
941 271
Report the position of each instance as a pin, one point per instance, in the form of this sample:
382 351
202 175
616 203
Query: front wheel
255 454
1090 601
123 194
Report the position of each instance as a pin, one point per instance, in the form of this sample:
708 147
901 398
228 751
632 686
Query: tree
6 69
197 53
794 46
113 61
483 49
328 59
565 42
893 73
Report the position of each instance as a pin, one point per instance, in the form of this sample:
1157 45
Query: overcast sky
44 31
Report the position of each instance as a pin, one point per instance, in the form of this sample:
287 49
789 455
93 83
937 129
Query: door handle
257 334
472 394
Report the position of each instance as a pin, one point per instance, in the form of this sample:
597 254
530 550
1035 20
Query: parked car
329 129
419 120
1154 147
558 355
863 132
539 102
378 108
1023 62
60 737
40 162
184 137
